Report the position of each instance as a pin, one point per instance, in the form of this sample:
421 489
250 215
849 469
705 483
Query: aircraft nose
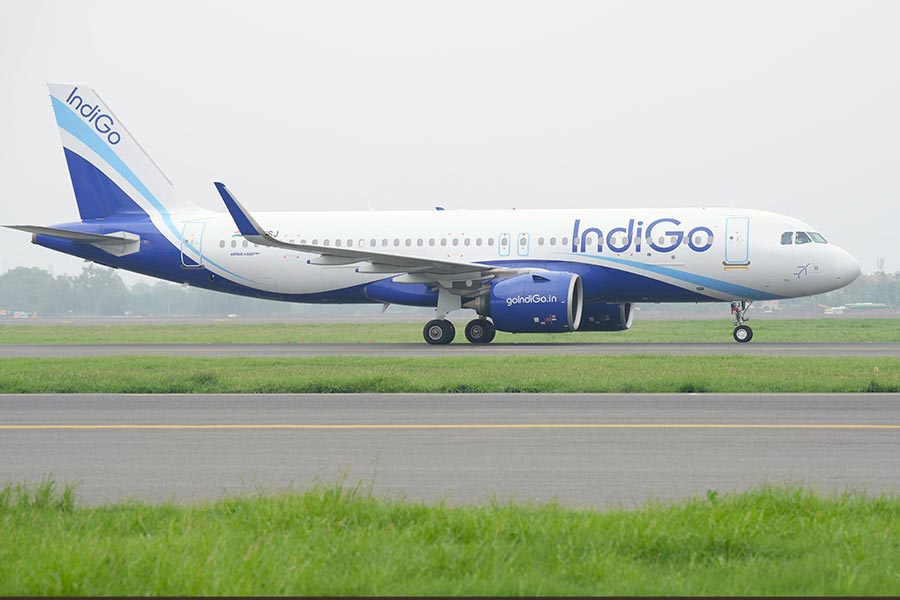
846 267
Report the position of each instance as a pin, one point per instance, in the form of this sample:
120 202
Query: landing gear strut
742 333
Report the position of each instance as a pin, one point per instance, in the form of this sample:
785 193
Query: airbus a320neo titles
522 271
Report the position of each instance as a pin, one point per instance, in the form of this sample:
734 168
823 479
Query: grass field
551 373
702 331
338 541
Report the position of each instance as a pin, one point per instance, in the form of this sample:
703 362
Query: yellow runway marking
423 426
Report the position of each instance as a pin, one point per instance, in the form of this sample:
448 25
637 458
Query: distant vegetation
99 291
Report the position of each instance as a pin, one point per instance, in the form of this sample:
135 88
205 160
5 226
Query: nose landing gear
742 333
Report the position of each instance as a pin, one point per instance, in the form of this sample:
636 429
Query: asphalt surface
583 450
465 349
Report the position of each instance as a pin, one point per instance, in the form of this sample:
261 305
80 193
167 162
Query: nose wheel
742 333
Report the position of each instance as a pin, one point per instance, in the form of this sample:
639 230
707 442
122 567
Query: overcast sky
792 107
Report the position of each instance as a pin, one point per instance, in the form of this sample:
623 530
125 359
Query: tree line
100 291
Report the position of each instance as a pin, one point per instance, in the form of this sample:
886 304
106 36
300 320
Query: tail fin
111 174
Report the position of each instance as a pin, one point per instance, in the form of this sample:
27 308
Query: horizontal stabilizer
120 243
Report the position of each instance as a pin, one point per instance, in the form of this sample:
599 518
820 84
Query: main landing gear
742 333
480 331
441 331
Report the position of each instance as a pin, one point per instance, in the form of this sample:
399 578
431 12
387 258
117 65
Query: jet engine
606 316
546 302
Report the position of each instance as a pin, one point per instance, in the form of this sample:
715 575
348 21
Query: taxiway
582 449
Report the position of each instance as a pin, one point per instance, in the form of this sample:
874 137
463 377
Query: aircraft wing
414 269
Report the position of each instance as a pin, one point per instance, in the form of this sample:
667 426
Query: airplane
521 271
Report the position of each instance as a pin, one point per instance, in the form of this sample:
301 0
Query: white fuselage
744 256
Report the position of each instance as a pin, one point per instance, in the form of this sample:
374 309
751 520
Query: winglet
246 224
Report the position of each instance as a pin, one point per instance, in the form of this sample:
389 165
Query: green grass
343 374
801 330
338 541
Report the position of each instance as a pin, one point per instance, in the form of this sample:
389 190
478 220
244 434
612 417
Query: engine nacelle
548 302
606 316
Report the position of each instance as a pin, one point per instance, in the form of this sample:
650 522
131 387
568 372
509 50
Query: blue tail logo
93 114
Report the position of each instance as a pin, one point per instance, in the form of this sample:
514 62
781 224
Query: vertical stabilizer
111 173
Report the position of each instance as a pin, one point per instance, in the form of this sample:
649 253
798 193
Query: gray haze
786 106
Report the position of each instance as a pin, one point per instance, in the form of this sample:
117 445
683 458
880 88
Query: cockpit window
786 238
802 238
817 238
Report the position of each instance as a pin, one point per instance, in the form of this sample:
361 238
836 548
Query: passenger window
801 238
553 241
384 242
373 243
786 238
408 242
396 241
337 243
589 241
443 241
565 241
419 242
301 241
466 242
540 241
233 244
456 241
245 243
431 241
315 242
477 241
221 243
326 242
490 241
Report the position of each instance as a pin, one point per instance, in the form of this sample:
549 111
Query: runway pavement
464 349
594 450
